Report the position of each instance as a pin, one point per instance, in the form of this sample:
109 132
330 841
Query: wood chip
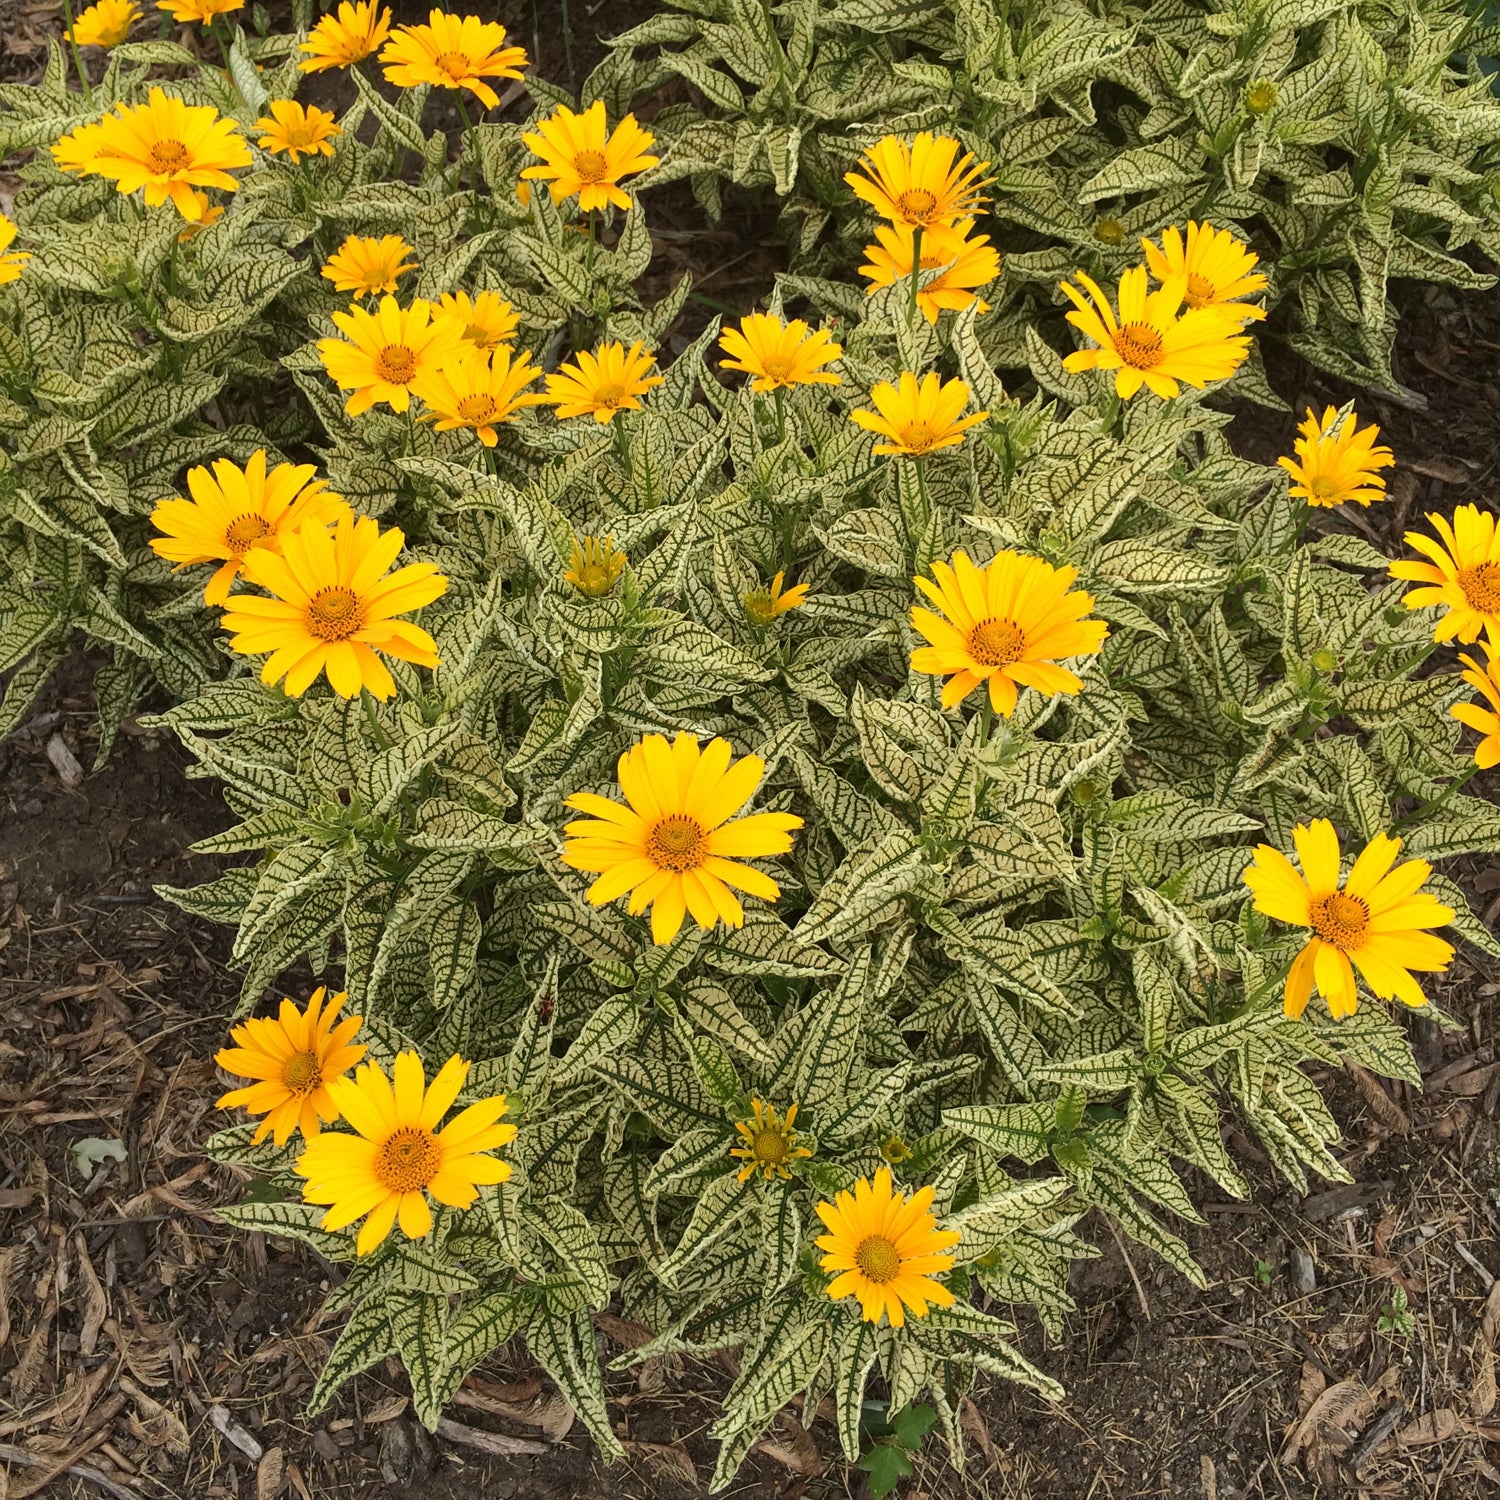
95 1304
67 765
626 1333
241 1437
1482 1389
270 1475
972 1424
793 1447
1381 1105
671 1457
1331 1416
383 1411
495 1443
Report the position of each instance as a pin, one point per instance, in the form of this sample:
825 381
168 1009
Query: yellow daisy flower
452 52
1336 461
399 1156
202 11
1463 576
333 606
1486 680
598 385
478 391
582 156
924 183
594 566
762 605
292 1059
208 213
235 509
105 24
164 146
341 40
367 267
297 131
918 419
769 1145
1149 344
677 846
488 320
779 356
1375 917
969 264
384 352
1007 624
887 1248
11 261
76 151
1217 267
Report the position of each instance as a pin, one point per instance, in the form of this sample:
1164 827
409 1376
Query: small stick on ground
29 1460
1140 1291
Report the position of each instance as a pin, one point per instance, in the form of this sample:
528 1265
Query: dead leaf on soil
95 1304
796 1450
973 1424
625 1332
159 1426
1489 1323
521 1402
1436 1427
383 1411
1312 1383
1382 1106
671 1457
1332 1419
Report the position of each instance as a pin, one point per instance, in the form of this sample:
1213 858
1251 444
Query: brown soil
128 1315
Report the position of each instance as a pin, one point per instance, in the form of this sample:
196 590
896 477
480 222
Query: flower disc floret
675 845
295 131
368 267
350 36
452 52
104 24
594 566
780 356
398 1157
886 1248
1337 461
383 353
164 146
234 509
478 391
601 385
918 419
583 158
764 604
292 1058
923 183
1007 624
333 607
1148 343
1374 920
1462 576
768 1144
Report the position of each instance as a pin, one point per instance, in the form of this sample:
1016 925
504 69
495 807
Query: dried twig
29 1460
1140 1291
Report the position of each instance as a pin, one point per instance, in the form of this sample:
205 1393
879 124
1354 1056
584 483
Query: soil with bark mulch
147 1351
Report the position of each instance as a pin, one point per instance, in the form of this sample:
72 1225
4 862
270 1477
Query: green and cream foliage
1011 958
1353 143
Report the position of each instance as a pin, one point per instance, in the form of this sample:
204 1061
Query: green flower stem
780 415
83 77
376 728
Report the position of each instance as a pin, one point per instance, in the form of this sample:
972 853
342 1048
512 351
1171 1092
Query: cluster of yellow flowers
397 1154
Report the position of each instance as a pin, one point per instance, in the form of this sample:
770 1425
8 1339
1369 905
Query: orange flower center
1342 920
407 1160
477 333
166 157
1323 487
333 614
610 396
590 166
778 367
395 364
454 64
878 1258
593 580
677 843
997 643
302 1073
244 532
769 1147
1200 290
917 437
1139 345
916 205
1481 586
477 409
